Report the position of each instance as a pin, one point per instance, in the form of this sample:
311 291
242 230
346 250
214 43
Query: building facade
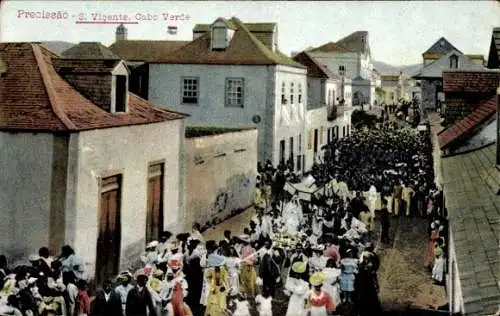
106 177
233 75
326 118
350 58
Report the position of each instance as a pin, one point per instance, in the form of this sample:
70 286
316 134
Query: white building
326 119
84 162
350 58
233 75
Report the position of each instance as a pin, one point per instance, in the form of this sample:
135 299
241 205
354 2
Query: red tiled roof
33 97
244 49
464 127
470 81
145 50
314 69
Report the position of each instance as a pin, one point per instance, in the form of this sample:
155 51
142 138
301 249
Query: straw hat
299 267
317 279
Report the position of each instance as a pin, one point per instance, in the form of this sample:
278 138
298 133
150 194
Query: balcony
333 112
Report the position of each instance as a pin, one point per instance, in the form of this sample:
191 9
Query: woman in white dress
373 199
331 285
264 305
242 307
233 269
297 289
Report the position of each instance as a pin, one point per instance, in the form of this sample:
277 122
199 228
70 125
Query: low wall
221 173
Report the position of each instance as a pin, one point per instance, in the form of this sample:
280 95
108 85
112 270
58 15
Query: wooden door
154 218
109 238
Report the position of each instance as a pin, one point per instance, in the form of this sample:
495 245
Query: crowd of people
319 253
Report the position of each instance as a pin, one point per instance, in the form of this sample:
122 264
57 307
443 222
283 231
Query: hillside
386 69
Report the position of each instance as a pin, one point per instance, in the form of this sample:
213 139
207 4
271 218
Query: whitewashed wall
127 151
221 173
25 187
289 119
165 82
350 61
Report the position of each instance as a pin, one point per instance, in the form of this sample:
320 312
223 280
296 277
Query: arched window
453 61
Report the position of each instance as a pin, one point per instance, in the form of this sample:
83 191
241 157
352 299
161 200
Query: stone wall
221 173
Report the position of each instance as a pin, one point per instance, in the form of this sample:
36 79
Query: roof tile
149 51
34 97
462 128
470 81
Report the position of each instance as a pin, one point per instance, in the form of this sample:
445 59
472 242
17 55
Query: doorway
282 151
154 218
291 154
109 238
316 141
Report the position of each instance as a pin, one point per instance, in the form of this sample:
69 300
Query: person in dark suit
139 300
107 302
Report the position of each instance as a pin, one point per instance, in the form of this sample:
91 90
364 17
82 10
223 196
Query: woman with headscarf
248 275
217 297
71 262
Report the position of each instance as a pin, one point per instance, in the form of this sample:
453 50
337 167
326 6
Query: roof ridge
260 46
49 88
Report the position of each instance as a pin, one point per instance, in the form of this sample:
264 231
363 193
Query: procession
312 242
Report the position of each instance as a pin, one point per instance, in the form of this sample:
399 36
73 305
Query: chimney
121 33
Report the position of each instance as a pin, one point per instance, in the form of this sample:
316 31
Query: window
329 135
121 94
282 151
234 92
283 91
299 162
343 131
341 70
300 143
310 139
291 92
190 90
321 131
453 61
219 38
299 97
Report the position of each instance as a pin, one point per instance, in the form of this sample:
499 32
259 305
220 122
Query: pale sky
399 31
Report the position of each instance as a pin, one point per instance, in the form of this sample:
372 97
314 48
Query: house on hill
233 75
350 58
85 162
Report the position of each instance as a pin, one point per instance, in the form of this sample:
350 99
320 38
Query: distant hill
57 46
386 69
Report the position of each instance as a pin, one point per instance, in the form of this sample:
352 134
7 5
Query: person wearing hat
317 262
139 299
297 288
319 301
124 279
248 275
331 273
149 257
155 284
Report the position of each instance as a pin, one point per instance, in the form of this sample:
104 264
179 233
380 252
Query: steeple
121 33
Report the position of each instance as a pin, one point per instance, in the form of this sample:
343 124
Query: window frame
299 96
453 61
342 70
123 107
292 92
283 93
227 92
213 32
183 79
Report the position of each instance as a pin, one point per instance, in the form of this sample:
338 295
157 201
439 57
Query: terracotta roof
89 50
331 47
465 127
243 49
470 81
441 46
356 42
34 97
314 68
150 51
83 66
